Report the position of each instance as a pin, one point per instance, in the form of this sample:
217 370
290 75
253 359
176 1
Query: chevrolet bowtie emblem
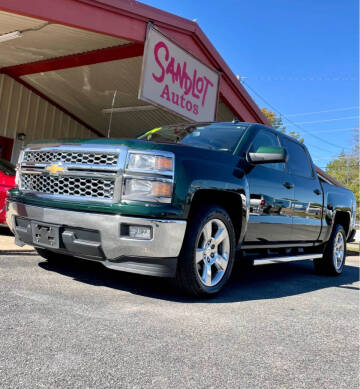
54 168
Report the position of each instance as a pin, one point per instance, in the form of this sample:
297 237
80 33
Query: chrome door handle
317 191
288 185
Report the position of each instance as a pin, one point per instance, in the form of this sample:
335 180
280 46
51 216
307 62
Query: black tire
50 256
188 278
328 264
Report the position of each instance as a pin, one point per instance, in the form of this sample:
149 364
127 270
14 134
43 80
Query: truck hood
176 148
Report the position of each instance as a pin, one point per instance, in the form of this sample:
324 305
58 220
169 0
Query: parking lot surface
78 325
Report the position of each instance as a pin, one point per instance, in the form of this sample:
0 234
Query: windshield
213 136
7 167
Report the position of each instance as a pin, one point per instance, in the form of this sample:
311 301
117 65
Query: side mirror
266 154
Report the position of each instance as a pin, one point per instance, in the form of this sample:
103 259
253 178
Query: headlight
150 162
147 190
17 177
149 176
18 165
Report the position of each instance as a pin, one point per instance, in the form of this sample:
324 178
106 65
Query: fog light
140 232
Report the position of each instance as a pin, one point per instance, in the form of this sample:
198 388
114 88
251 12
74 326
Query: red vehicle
7 181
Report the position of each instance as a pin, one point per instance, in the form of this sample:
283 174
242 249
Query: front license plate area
46 235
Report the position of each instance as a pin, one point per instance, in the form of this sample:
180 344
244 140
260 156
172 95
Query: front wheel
208 252
333 260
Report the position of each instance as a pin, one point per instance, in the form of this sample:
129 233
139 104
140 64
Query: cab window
266 138
298 162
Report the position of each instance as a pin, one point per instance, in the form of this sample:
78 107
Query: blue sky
300 56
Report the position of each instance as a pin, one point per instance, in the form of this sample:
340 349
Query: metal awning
80 69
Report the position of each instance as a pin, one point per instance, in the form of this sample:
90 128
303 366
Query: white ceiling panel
131 124
41 41
11 22
86 91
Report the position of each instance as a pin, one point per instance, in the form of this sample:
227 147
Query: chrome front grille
71 157
73 172
94 188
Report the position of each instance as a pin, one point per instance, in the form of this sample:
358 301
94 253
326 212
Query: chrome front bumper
114 250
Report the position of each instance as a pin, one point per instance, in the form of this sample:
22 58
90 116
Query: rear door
271 195
308 199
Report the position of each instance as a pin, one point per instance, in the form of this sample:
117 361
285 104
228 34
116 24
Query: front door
271 196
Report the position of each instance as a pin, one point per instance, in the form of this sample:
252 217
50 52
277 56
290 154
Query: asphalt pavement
77 324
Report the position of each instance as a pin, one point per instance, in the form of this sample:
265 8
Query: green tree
345 167
277 123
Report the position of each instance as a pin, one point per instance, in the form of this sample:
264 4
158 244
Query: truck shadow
261 282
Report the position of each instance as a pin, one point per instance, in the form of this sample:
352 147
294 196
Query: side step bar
263 261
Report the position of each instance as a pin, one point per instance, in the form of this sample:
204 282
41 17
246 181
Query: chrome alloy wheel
339 251
212 252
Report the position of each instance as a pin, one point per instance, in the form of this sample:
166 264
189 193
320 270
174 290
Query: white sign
174 79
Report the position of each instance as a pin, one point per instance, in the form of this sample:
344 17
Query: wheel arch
343 218
233 203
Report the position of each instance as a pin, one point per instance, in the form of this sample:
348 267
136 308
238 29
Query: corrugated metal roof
86 91
224 114
53 40
21 110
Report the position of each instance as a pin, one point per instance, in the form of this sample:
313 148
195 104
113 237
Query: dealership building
79 68
97 68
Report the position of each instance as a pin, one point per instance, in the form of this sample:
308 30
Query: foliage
277 123
345 167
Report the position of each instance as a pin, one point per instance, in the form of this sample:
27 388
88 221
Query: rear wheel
208 251
333 260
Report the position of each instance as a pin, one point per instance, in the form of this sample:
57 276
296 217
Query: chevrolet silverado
181 201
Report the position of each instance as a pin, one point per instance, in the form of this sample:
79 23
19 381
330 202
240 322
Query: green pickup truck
181 201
